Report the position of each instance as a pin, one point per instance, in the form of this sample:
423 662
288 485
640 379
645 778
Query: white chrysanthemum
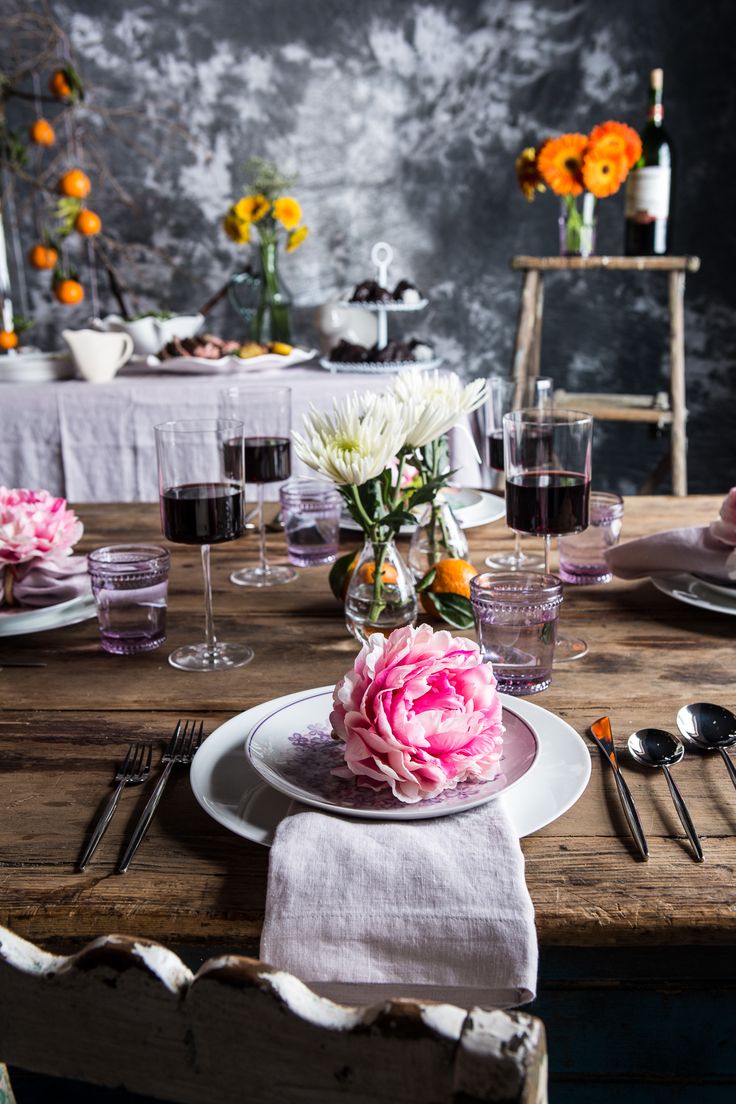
435 402
356 441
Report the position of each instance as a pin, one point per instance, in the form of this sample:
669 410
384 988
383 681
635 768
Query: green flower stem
399 474
378 604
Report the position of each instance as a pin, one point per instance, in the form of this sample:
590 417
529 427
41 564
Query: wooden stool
659 409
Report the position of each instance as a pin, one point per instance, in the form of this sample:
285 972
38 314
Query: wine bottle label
648 193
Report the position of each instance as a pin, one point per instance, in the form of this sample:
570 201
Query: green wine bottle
649 184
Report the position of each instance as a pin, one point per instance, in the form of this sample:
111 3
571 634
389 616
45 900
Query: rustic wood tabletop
63 729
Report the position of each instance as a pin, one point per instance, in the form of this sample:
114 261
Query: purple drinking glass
516 616
583 555
130 584
310 511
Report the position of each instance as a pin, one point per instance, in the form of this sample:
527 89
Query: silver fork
185 739
133 770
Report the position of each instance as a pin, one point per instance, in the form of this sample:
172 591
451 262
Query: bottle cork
656 79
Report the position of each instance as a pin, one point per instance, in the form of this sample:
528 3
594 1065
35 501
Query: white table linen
95 442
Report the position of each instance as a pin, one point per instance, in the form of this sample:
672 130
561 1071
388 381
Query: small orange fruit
43 256
451 577
75 183
368 573
42 133
88 223
8 339
59 86
69 292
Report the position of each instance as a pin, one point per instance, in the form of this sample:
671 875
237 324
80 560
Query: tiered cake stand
381 255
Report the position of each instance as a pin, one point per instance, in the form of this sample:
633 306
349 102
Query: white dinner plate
44 618
471 508
293 750
696 592
234 794
224 366
33 367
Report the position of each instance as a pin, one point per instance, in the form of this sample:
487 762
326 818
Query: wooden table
193 884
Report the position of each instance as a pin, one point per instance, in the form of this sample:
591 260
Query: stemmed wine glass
201 494
266 416
548 468
502 394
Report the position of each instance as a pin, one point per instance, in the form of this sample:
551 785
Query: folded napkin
43 582
433 909
708 550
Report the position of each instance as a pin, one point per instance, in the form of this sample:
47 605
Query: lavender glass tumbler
130 584
516 616
583 555
311 512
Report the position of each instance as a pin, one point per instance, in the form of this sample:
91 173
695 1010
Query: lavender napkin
44 582
434 909
708 550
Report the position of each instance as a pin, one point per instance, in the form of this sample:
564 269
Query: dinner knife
600 730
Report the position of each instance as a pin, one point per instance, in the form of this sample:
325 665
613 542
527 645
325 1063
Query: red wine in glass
495 450
547 503
267 459
202 513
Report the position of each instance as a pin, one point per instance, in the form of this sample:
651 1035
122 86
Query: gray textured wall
403 121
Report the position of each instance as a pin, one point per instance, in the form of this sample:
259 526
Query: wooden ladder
662 409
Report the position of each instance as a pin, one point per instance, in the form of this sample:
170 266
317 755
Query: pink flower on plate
35 525
418 712
724 529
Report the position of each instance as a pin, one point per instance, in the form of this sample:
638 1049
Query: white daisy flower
356 441
435 402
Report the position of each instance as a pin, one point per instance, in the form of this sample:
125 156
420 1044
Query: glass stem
518 554
209 620
262 531
547 549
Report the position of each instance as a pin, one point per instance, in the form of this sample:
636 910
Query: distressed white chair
127 1012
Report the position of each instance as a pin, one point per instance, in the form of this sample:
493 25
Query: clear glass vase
438 536
381 595
577 226
271 320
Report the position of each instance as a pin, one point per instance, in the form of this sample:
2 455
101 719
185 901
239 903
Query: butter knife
601 732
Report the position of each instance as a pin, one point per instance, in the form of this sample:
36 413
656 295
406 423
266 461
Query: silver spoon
656 748
710 728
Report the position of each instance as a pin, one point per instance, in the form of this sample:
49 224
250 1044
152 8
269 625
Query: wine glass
501 399
200 476
266 416
548 468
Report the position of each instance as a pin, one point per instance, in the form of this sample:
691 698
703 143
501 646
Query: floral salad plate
293 750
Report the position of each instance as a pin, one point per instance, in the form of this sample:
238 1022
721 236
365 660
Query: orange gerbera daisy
527 173
287 211
613 139
560 162
603 175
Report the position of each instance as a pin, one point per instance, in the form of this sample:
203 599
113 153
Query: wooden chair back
127 1012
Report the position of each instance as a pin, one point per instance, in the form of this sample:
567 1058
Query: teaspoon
710 728
656 748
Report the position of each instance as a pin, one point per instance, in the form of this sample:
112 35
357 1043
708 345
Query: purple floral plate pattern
293 750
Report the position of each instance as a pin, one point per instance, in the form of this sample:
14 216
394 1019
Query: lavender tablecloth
94 442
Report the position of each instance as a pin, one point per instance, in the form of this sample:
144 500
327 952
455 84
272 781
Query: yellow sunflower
527 173
603 175
295 238
252 208
560 160
237 229
613 139
287 211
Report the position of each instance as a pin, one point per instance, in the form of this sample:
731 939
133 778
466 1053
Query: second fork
132 770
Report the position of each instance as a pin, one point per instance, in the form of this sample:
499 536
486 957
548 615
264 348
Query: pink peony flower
418 712
724 529
34 524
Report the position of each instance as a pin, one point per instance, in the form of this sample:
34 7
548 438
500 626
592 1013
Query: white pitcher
97 355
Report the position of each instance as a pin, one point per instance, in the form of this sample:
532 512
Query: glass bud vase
577 226
438 536
271 321
381 595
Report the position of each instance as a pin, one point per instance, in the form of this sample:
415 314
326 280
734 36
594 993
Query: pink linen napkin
45 582
433 909
708 550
